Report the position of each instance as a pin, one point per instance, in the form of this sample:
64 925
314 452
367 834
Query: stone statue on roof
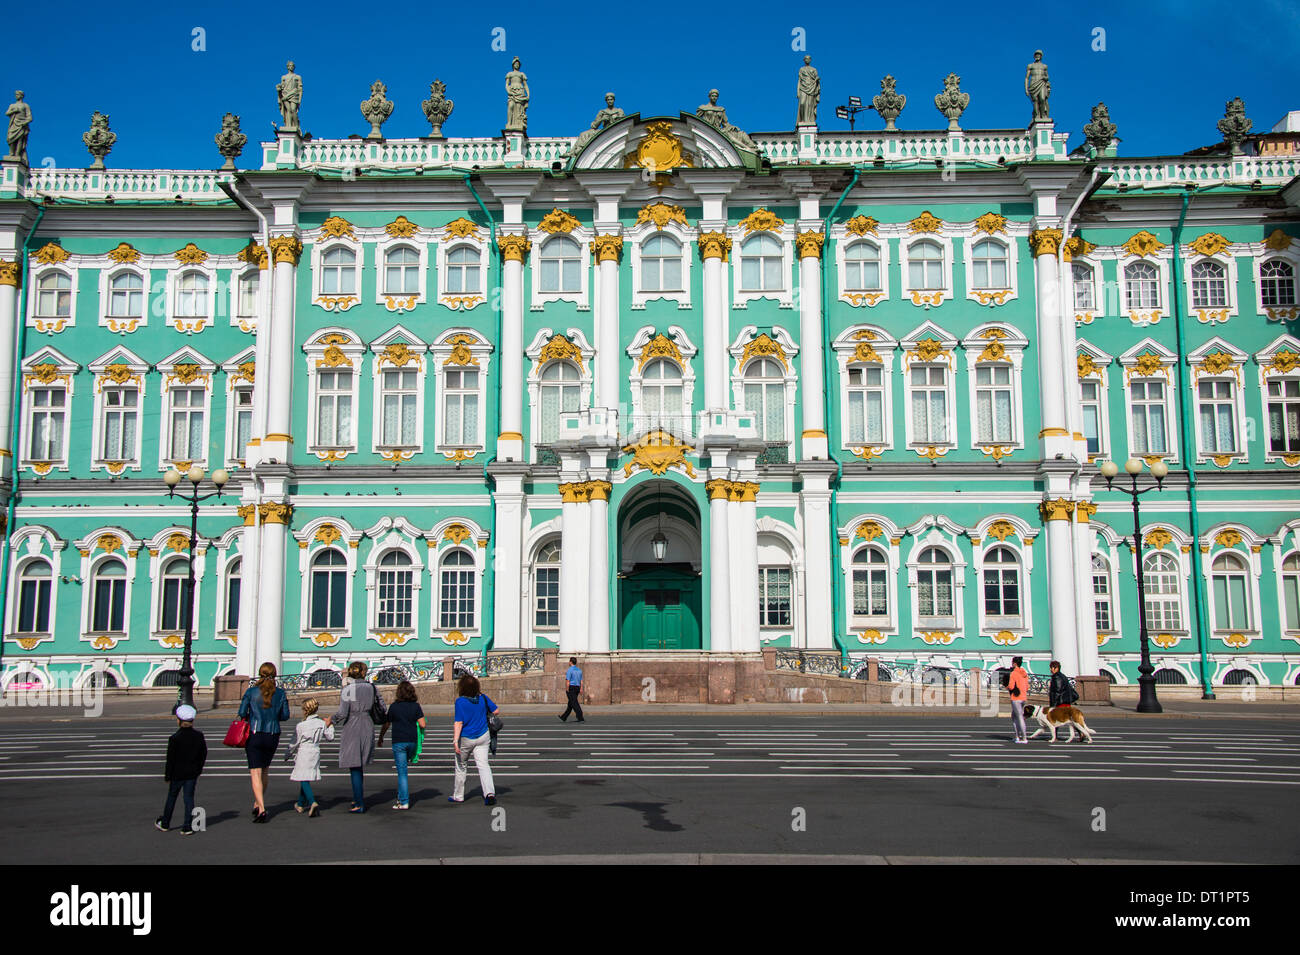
516 99
809 93
1038 87
608 116
289 89
20 121
716 116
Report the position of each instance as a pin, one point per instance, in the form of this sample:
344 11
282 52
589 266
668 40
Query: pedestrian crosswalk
1252 753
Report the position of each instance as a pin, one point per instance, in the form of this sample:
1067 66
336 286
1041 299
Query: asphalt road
86 791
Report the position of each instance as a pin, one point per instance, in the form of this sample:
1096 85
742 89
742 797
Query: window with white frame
1291 591
1084 291
661 264
396 592
560 392
990 265
929 414
401 271
862 267
871 584
338 272
456 591
1002 589
560 265
1101 595
764 389
866 413
462 271
54 296
546 587
398 398
461 397
175 606
934 589
775 601
1230 578
1147 404
126 295
334 409
329 591
234 581
1141 286
34 582
119 431
108 597
1217 415
248 289
1209 285
1164 597
241 406
761 264
49 420
1276 283
925 266
1283 415
186 427
191 295
1092 395
661 394
993 404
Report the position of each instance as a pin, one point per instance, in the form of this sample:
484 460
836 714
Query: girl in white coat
306 745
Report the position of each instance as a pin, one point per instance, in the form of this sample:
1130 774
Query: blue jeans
402 753
174 788
305 796
358 784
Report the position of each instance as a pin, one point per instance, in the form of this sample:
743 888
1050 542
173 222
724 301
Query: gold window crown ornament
336 227
990 223
764 346
925 222
661 346
124 253
761 220
1077 245
661 213
557 220
461 228
1209 244
1142 244
191 254
401 228
559 348
398 354
861 225
51 254
1278 241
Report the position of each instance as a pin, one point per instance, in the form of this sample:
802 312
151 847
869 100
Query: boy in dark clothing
1060 693
187 751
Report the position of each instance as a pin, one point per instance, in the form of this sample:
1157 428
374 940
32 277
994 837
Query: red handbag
238 734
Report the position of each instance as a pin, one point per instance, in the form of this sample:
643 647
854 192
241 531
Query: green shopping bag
419 744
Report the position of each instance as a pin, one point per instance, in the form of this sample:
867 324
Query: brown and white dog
1051 718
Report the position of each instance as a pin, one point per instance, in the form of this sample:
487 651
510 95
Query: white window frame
383 362
124 325
909 345
248 323
534 565
981 347
472 571
408 301
236 382
858 298
784 296
1212 316
91 575
586 379
1182 571
846 348
1111 595
1096 285
42 323
441 353
888 622
65 377
187 323
1286 543
948 544
1233 374
1291 256
636 378
1264 359
203 380
29 542
635 239
1140 317
310 546
1101 375
336 301
1024 570
351 349
992 296
401 537
1129 362
159 554
583 235
1242 552
789 380
476 546
926 298
461 301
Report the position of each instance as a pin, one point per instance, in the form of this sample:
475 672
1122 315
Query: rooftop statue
809 93
376 109
20 121
952 102
289 90
889 102
1100 133
1234 126
230 141
99 139
716 116
608 116
516 100
437 108
1038 87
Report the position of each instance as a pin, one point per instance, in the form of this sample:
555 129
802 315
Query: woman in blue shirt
469 735
264 705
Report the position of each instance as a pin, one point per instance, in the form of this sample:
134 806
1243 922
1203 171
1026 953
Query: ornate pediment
662 144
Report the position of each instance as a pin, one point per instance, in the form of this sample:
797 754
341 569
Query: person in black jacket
1060 693
187 751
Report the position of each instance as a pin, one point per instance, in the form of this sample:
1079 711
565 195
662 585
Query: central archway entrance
660 591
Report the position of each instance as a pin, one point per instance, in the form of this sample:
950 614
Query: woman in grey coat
357 743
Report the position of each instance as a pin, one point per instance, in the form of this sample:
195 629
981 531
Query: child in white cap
187 751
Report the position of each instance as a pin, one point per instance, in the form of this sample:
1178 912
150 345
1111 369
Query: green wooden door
660 610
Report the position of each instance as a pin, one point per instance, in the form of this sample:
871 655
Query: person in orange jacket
1018 689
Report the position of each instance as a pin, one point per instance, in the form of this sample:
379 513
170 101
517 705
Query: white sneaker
1018 740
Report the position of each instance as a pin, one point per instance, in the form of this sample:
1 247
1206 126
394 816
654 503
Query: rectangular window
774 598
34 606
456 601
993 404
547 614
232 603
1284 415
1101 598
49 420
1091 391
187 424
328 599
175 604
460 427
243 412
395 598
1291 600
121 421
929 404
1083 298
247 304
110 606
866 405
1148 402
1217 416
398 401
334 409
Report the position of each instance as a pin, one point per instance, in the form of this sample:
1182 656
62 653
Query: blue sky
1166 70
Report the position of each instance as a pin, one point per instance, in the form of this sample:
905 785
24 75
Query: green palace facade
669 388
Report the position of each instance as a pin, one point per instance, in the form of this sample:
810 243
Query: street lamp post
172 478
1147 702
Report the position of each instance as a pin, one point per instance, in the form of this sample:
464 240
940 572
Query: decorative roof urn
1234 125
437 108
99 139
1100 133
889 103
230 141
952 102
376 109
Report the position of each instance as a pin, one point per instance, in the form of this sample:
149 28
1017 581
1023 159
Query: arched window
462 270
1167 676
1142 286
249 284
760 264
1209 285
192 295
54 296
108 609
925 266
396 592
1083 290
1276 283
560 390
234 577
870 583
989 265
934 594
765 398
1161 582
1231 596
561 265
34 581
176 603
862 267
1291 590
1101 593
546 587
456 592
126 295
338 272
661 264
1239 678
661 393
329 591
401 271
1002 588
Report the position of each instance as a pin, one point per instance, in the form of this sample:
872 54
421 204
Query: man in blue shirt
573 677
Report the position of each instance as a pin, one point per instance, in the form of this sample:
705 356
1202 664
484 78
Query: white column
510 443
1057 526
10 278
714 247
508 562
719 571
274 515
1054 437
815 500
598 574
1085 609
811 360
246 663
276 444
574 575
745 569
608 246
